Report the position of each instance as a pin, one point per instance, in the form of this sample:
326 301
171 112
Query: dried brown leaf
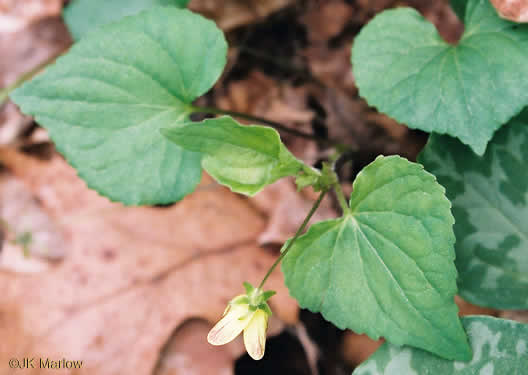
188 353
357 348
21 216
286 210
131 275
518 315
332 67
25 47
17 14
12 123
466 308
261 96
325 20
230 14
513 10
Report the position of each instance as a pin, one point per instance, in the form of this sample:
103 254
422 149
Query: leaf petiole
341 198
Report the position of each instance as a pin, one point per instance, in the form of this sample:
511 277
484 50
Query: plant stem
341 198
276 125
297 235
341 160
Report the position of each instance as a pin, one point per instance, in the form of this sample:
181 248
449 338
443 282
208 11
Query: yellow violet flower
249 313
255 334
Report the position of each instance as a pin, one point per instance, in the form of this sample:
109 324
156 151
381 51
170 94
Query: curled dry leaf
513 10
131 275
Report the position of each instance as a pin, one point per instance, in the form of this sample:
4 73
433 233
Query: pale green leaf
404 68
500 347
83 16
104 102
245 158
385 268
490 204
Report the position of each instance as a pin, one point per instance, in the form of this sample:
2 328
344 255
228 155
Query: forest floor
135 290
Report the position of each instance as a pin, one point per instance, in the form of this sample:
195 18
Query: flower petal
230 325
255 335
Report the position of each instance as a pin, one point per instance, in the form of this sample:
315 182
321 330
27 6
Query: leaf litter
171 264
135 290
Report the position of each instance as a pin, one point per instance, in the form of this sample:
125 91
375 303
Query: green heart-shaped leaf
499 347
83 16
406 70
104 102
490 204
245 158
385 268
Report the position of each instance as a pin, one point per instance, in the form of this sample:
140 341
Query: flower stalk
289 243
249 312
